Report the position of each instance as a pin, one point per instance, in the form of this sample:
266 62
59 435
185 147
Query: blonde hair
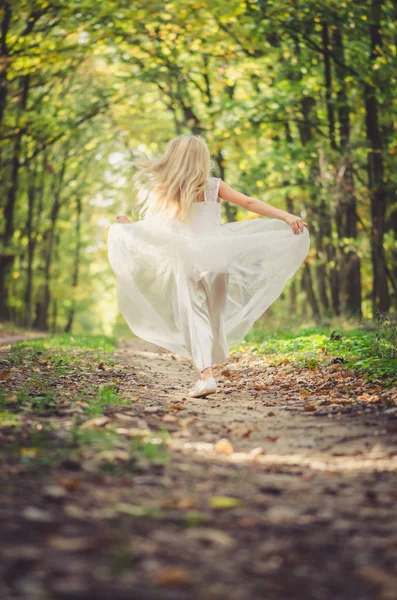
171 183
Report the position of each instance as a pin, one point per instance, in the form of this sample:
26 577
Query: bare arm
260 208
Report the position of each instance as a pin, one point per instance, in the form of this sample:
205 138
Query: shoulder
214 183
213 188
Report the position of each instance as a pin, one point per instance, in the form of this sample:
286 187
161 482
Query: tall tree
375 162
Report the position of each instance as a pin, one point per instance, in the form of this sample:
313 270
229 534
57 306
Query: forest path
259 419
281 486
302 493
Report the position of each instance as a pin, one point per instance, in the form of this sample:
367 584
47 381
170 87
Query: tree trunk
43 305
293 288
54 316
320 213
76 267
375 166
4 28
392 225
307 287
331 250
346 210
7 257
230 209
34 189
328 84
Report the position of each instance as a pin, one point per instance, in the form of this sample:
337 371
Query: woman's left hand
296 223
122 219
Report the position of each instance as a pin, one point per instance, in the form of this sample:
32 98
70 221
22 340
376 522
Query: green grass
61 351
7 419
105 444
29 407
372 353
68 341
103 396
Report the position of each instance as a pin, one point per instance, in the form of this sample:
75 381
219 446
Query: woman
184 281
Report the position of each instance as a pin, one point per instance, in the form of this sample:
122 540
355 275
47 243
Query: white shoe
203 388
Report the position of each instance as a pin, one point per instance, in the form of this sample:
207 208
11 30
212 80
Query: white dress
196 289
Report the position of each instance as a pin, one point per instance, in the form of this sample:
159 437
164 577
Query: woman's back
206 214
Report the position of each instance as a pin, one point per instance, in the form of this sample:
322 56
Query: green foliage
370 353
237 73
385 343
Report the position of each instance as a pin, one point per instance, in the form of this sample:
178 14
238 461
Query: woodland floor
116 485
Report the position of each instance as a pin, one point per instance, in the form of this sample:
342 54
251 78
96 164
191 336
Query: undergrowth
370 349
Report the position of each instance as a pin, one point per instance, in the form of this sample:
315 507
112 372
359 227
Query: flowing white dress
196 289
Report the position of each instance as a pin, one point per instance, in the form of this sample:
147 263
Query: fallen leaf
241 431
187 502
215 536
255 452
68 483
124 417
378 576
170 419
247 522
37 515
133 432
5 375
282 514
11 398
224 446
28 452
172 576
224 502
96 422
77 544
54 492
310 407
227 373
187 421
168 504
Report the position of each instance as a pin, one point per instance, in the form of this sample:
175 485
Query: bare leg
216 286
206 374
196 323
216 303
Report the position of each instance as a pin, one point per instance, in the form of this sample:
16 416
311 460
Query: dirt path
7 339
317 486
271 489
288 430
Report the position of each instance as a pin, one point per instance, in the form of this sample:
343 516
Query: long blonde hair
171 183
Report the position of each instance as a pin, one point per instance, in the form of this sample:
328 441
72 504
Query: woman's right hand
296 223
122 219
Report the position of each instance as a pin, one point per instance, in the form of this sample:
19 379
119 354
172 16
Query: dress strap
212 192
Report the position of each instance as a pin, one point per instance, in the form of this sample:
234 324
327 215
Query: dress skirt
197 291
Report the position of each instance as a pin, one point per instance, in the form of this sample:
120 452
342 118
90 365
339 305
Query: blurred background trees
295 99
